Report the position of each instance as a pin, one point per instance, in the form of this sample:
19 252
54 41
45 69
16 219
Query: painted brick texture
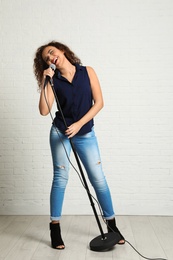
130 46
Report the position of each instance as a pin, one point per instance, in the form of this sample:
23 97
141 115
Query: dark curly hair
40 65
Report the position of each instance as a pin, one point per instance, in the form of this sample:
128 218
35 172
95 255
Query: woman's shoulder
91 71
89 68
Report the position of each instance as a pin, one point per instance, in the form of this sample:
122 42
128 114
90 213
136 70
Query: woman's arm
97 106
43 107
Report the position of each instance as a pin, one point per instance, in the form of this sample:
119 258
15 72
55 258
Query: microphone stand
104 241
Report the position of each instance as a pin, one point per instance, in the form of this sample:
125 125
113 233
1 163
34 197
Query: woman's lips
55 60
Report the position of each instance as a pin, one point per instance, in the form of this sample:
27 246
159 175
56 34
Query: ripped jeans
87 149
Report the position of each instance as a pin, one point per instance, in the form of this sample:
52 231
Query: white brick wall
130 45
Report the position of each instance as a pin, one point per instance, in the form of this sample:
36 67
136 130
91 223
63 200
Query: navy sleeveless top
75 99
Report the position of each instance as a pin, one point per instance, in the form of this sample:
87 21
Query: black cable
62 141
142 255
98 204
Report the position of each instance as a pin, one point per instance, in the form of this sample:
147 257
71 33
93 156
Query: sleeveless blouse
75 99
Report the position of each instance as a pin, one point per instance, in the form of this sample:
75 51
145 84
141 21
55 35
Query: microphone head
52 66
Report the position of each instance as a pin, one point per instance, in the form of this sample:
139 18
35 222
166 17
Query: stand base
100 244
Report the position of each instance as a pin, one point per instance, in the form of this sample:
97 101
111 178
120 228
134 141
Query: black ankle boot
111 226
55 234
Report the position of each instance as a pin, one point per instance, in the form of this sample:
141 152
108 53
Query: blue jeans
87 149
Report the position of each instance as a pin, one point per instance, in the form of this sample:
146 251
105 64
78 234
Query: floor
27 238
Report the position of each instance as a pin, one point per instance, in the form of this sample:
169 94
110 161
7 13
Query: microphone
48 79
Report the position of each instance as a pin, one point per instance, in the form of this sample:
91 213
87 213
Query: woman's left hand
73 129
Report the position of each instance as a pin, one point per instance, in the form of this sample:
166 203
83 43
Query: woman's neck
67 71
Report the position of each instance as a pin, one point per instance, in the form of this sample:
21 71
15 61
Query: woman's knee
60 177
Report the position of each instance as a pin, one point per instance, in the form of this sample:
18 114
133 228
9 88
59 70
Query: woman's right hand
48 72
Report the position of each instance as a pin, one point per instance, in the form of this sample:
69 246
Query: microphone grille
52 66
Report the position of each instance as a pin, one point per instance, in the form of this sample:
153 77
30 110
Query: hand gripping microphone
48 79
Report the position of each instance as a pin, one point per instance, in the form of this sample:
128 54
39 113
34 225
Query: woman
80 97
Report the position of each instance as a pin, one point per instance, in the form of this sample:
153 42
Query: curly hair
40 65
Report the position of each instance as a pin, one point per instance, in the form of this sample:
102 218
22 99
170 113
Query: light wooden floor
27 237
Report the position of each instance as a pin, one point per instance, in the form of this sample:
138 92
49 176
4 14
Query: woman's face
53 55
